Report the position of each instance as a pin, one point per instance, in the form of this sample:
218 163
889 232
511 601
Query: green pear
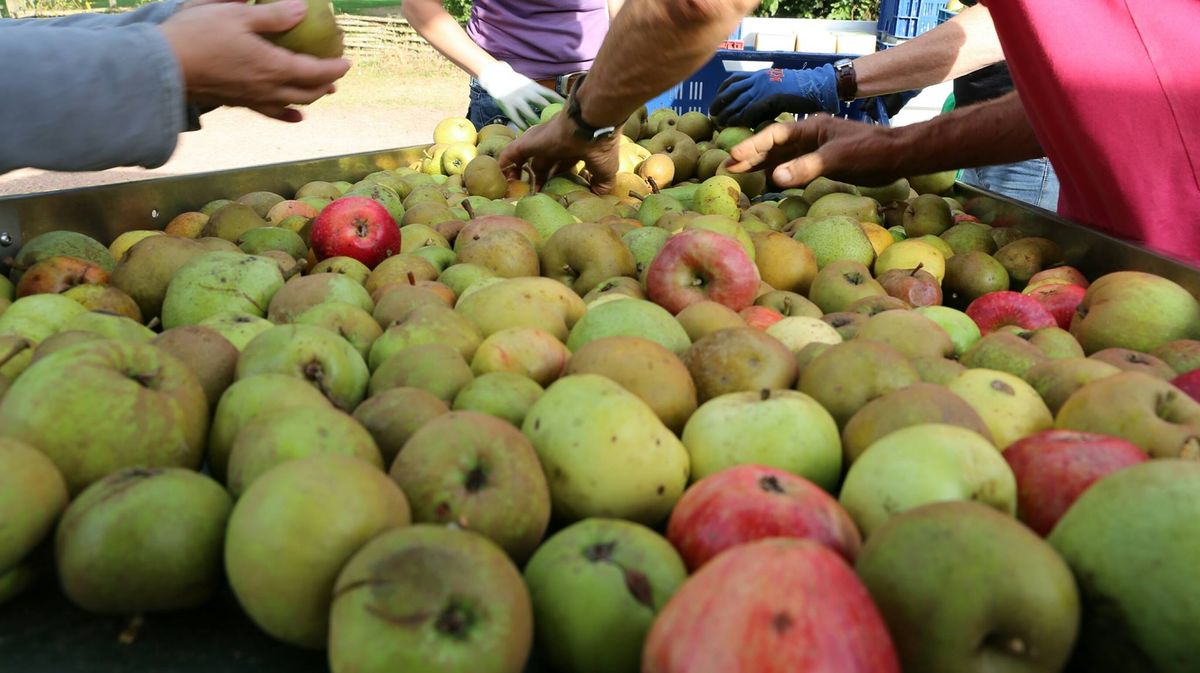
109 326
146 270
895 191
909 332
968 237
143 540
237 327
312 354
940 371
933 183
1135 310
630 318
646 369
793 207
655 206
32 496
1004 595
544 213
317 34
596 587
710 161
784 429
696 125
848 375
927 215
432 599
644 244
427 324
1027 256
731 136
383 195
604 452
231 221
922 464
459 276
823 186
503 252
1057 380
505 395
1011 408
483 177
527 351
287 434
29 321
523 302
971 275
718 195
283 581
858 208
1005 352
1145 410
352 323
216 282
912 405
1138 592
836 238
583 255
394 415
841 283
436 368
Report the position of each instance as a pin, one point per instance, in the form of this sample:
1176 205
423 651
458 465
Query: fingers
512 158
275 17
801 170
290 95
603 177
728 99
283 114
310 72
549 96
750 153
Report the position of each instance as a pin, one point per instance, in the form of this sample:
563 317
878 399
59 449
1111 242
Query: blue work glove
750 98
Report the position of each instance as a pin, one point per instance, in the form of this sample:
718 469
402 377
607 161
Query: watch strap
584 130
846 78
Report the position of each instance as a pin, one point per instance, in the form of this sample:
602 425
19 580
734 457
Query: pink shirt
1112 89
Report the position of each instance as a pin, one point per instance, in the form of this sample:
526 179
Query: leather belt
563 84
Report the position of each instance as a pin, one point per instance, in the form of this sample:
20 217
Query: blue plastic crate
905 19
697 92
945 15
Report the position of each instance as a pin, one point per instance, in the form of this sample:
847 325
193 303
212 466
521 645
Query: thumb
799 171
275 17
603 179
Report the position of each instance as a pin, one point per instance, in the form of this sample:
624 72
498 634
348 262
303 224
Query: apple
796 332
597 586
455 130
456 157
750 502
760 317
1060 299
1149 412
1068 274
1054 467
924 463
1009 406
962 329
1189 383
1002 593
771 605
997 309
698 265
1135 310
355 227
915 286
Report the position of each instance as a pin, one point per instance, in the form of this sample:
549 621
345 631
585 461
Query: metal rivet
5 239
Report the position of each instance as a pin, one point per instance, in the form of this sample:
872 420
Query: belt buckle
565 84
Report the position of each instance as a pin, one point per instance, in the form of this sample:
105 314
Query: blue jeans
483 109
1031 181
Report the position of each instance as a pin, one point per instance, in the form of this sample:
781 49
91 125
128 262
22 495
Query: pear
823 186
848 375
61 243
644 245
909 332
583 255
347 266
737 359
1145 410
238 328
1027 256
1011 408
1003 351
696 125
231 221
940 371
1130 361
860 208
426 324
604 452
968 237
216 282
836 238
971 275
646 369
841 283
927 215
436 368
148 267
1183 355
312 354
933 183
732 136
505 395
793 207
1057 380
522 302
210 356
705 317
303 292
394 415
503 252
317 34
679 147
718 195
1135 310
109 326
912 405
383 195
632 317
709 162
544 213
846 323
351 323
752 183
895 191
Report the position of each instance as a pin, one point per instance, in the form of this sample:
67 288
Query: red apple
701 265
54 275
1060 299
964 217
916 287
1054 467
1189 383
750 502
771 606
997 309
1066 273
356 227
760 317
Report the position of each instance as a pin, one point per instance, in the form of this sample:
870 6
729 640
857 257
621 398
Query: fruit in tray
410 387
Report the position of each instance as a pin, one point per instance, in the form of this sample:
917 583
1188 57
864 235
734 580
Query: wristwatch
847 80
584 130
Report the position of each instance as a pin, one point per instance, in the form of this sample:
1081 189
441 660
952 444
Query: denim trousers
483 109
1031 181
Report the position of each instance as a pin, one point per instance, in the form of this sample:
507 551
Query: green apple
217 282
1145 410
925 463
1135 310
309 353
32 496
1009 406
34 319
962 330
605 452
633 317
784 429
1003 594
597 586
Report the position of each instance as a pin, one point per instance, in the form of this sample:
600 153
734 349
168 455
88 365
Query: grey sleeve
84 99
155 12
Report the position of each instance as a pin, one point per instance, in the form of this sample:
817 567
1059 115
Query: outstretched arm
993 132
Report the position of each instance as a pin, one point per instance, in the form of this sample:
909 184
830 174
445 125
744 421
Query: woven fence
378 33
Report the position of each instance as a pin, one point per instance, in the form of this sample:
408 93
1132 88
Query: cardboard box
774 42
855 44
816 42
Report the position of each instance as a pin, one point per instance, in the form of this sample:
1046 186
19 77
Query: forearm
651 46
435 24
155 13
87 100
960 46
989 133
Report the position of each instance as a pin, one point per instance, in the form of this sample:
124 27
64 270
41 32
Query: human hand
554 148
798 152
750 98
520 98
226 61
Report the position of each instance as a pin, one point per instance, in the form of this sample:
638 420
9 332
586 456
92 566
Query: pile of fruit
431 421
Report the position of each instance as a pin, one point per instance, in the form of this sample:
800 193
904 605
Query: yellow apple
455 130
910 253
880 238
125 241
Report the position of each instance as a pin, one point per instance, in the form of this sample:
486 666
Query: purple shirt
540 38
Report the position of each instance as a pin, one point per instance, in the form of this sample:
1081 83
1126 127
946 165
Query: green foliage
852 10
459 9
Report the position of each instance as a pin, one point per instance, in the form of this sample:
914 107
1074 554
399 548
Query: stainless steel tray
105 211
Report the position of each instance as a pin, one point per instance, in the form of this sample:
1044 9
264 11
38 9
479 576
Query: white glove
520 98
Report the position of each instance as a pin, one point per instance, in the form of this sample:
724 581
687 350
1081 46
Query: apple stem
637 196
920 265
653 184
412 278
765 394
16 350
153 322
